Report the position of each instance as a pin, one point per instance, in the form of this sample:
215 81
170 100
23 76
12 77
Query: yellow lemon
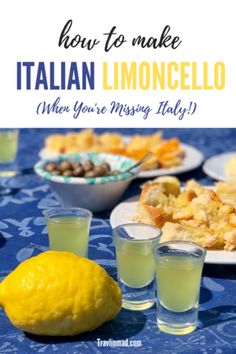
59 293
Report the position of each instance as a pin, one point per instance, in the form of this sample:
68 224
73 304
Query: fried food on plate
167 153
197 213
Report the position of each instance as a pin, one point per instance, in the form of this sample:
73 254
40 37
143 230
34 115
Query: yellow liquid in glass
69 233
178 282
135 263
8 145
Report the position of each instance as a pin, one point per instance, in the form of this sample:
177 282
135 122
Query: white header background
30 31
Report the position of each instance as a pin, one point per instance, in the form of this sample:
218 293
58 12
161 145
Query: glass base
175 329
137 299
8 173
4 191
8 169
137 305
177 322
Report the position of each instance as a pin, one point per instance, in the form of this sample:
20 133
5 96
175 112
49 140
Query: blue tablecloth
23 234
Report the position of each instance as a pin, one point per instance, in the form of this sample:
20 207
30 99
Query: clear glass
68 229
8 151
134 245
178 272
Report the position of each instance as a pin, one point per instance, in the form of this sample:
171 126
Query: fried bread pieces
197 213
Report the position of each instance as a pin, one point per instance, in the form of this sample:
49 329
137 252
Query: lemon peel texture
59 294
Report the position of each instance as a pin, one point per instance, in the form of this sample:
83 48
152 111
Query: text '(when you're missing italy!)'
120 75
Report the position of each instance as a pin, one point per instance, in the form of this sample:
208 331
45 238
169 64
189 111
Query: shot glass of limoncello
134 244
8 151
68 229
179 267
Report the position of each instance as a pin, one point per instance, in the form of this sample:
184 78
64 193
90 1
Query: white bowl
96 194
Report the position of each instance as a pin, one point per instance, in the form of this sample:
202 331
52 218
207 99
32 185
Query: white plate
215 165
124 212
193 159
